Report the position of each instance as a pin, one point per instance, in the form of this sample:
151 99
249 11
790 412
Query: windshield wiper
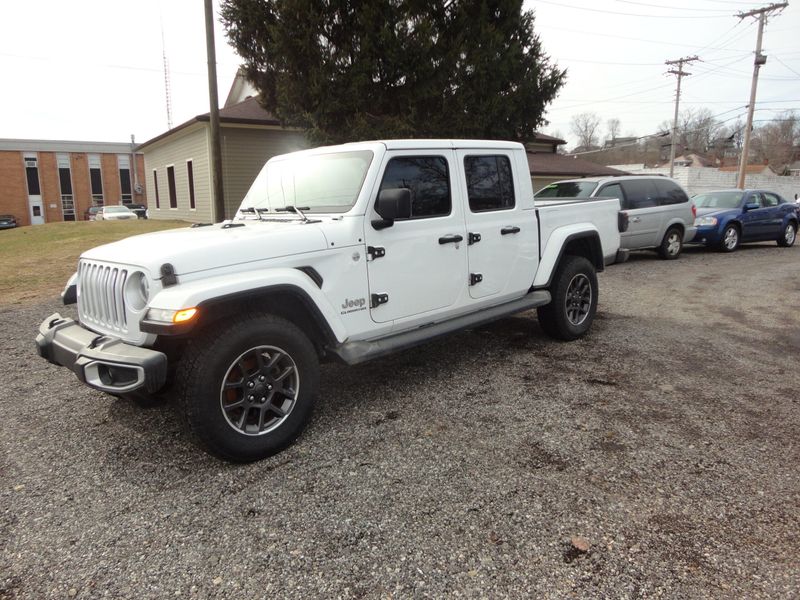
254 210
298 210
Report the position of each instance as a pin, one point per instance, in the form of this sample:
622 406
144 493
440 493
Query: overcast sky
92 70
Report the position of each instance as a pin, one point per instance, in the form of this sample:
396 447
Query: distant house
177 162
547 166
45 181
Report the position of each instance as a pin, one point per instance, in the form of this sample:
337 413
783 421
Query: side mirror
392 204
751 206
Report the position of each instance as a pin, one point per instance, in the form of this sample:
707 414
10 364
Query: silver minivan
661 216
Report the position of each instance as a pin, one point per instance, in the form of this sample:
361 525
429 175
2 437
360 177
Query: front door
418 266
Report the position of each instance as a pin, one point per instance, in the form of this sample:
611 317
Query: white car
115 213
343 253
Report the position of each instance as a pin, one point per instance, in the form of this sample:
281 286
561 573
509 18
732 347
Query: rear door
501 243
418 266
773 227
646 216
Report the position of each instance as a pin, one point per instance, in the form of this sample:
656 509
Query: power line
675 7
785 65
626 14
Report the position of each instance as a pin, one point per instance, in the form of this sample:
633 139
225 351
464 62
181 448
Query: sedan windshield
321 183
718 200
567 189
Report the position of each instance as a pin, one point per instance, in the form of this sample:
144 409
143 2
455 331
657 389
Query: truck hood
193 249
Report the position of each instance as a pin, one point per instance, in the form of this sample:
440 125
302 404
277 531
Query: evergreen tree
349 70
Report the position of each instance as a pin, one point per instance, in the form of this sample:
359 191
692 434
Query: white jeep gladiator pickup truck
348 252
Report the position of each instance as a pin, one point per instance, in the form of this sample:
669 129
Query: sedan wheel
789 236
730 238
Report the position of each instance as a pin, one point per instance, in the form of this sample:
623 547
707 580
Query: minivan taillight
694 210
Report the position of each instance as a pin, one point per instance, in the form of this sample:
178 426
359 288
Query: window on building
65 184
32 175
96 180
155 185
173 196
427 177
489 183
190 175
126 191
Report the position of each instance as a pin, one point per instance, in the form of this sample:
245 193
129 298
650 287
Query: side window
612 190
755 198
770 199
669 192
490 185
427 177
640 193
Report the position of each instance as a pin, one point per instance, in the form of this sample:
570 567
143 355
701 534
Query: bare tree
585 127
614 126
774 142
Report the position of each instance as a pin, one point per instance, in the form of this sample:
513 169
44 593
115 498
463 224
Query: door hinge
378 299
473 238
475 278
374 252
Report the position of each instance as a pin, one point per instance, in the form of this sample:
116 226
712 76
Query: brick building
44 181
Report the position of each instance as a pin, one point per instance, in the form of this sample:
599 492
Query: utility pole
213 98
681 74
759 60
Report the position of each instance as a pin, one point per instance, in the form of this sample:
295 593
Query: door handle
507 230
636 220
450 239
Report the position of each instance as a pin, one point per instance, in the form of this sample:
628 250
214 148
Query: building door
36 210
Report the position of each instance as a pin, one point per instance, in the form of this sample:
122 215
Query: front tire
789 236
671 245
247 386
574 300
730 239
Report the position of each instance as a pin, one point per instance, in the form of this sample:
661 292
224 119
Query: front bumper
102 362
707 236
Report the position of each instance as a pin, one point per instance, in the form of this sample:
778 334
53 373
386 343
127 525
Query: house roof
541 137
247 112
545 164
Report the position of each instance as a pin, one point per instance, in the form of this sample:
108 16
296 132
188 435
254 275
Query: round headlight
137 291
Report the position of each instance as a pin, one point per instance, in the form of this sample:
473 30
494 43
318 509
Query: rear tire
672 244
574 300
247 386
789 236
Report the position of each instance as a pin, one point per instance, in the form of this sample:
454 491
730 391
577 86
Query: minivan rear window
567 189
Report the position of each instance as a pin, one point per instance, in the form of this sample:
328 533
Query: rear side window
490 185
612 190
670 192
427 177
770 199
640 193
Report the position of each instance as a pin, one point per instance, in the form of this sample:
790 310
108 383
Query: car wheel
671 245
730 239
570 313
789 236
247 387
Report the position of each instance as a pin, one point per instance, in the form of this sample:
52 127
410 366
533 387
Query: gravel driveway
667 441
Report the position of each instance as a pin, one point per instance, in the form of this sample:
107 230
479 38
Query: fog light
187 314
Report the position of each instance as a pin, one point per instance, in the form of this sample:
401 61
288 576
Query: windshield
567 189
718 200
119 209
321 183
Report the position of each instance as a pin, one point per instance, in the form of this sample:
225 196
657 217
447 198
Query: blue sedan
727 218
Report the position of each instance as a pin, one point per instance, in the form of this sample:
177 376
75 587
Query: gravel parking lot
667 440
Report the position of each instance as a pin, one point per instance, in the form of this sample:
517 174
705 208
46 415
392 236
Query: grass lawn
36 261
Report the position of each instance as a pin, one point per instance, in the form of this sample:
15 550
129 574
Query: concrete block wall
697 180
